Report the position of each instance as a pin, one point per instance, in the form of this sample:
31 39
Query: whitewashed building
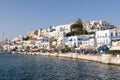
43 43
75 41
81 41
104 37
91 26
59 31
61 41
88 43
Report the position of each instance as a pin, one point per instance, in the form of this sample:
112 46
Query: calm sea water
33 67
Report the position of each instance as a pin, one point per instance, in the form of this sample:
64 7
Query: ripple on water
29 67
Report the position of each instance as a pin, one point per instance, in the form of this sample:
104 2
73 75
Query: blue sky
17 17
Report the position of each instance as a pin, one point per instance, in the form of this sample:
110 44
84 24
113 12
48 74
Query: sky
17 17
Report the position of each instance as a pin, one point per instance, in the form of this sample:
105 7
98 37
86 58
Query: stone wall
104 58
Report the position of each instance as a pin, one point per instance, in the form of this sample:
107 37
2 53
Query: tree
69 34
73 48
66 49
51 41
84 32
77 26
77 29
79 22
91 33
53 46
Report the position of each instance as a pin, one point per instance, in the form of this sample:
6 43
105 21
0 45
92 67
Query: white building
61 41
98 25
75 41
59 31
88 43
43 43
81 41
104 37
63 28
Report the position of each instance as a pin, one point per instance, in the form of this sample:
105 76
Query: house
61 41
91 26
59 31
43 43
75 41
88 43
104 37
83 41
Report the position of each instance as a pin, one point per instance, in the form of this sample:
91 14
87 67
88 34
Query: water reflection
27 67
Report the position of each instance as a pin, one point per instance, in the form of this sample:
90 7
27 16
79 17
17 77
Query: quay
103 58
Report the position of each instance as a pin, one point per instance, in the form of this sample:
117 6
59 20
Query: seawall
104 58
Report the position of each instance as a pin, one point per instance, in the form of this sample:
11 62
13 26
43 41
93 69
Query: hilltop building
91 26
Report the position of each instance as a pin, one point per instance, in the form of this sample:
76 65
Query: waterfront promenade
104 58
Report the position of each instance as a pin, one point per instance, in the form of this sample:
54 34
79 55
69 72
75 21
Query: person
101 50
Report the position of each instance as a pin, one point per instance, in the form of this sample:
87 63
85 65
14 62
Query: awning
115 48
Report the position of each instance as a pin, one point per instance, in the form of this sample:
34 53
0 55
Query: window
116 33
70 39
106 41
105 34
79 39
74 44
74 39
88 43
111 34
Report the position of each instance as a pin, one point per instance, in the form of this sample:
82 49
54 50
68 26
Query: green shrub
65 49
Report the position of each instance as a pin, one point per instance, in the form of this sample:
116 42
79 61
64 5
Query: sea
35 67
